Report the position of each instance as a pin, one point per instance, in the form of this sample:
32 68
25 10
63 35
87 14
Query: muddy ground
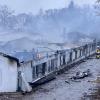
59 89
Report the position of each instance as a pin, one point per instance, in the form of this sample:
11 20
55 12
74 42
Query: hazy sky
34 5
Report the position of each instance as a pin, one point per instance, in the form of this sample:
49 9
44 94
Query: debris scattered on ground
67 82
96 81
81 75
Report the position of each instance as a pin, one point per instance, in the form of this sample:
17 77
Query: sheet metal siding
8 75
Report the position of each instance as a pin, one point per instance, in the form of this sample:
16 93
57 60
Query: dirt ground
59 89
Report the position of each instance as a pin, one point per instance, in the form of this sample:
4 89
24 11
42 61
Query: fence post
70 57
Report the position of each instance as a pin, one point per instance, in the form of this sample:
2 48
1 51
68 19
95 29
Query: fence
36 70
67 58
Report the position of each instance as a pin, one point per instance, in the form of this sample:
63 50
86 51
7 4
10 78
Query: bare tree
5 13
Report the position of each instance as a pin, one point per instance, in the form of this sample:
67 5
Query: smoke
50 24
